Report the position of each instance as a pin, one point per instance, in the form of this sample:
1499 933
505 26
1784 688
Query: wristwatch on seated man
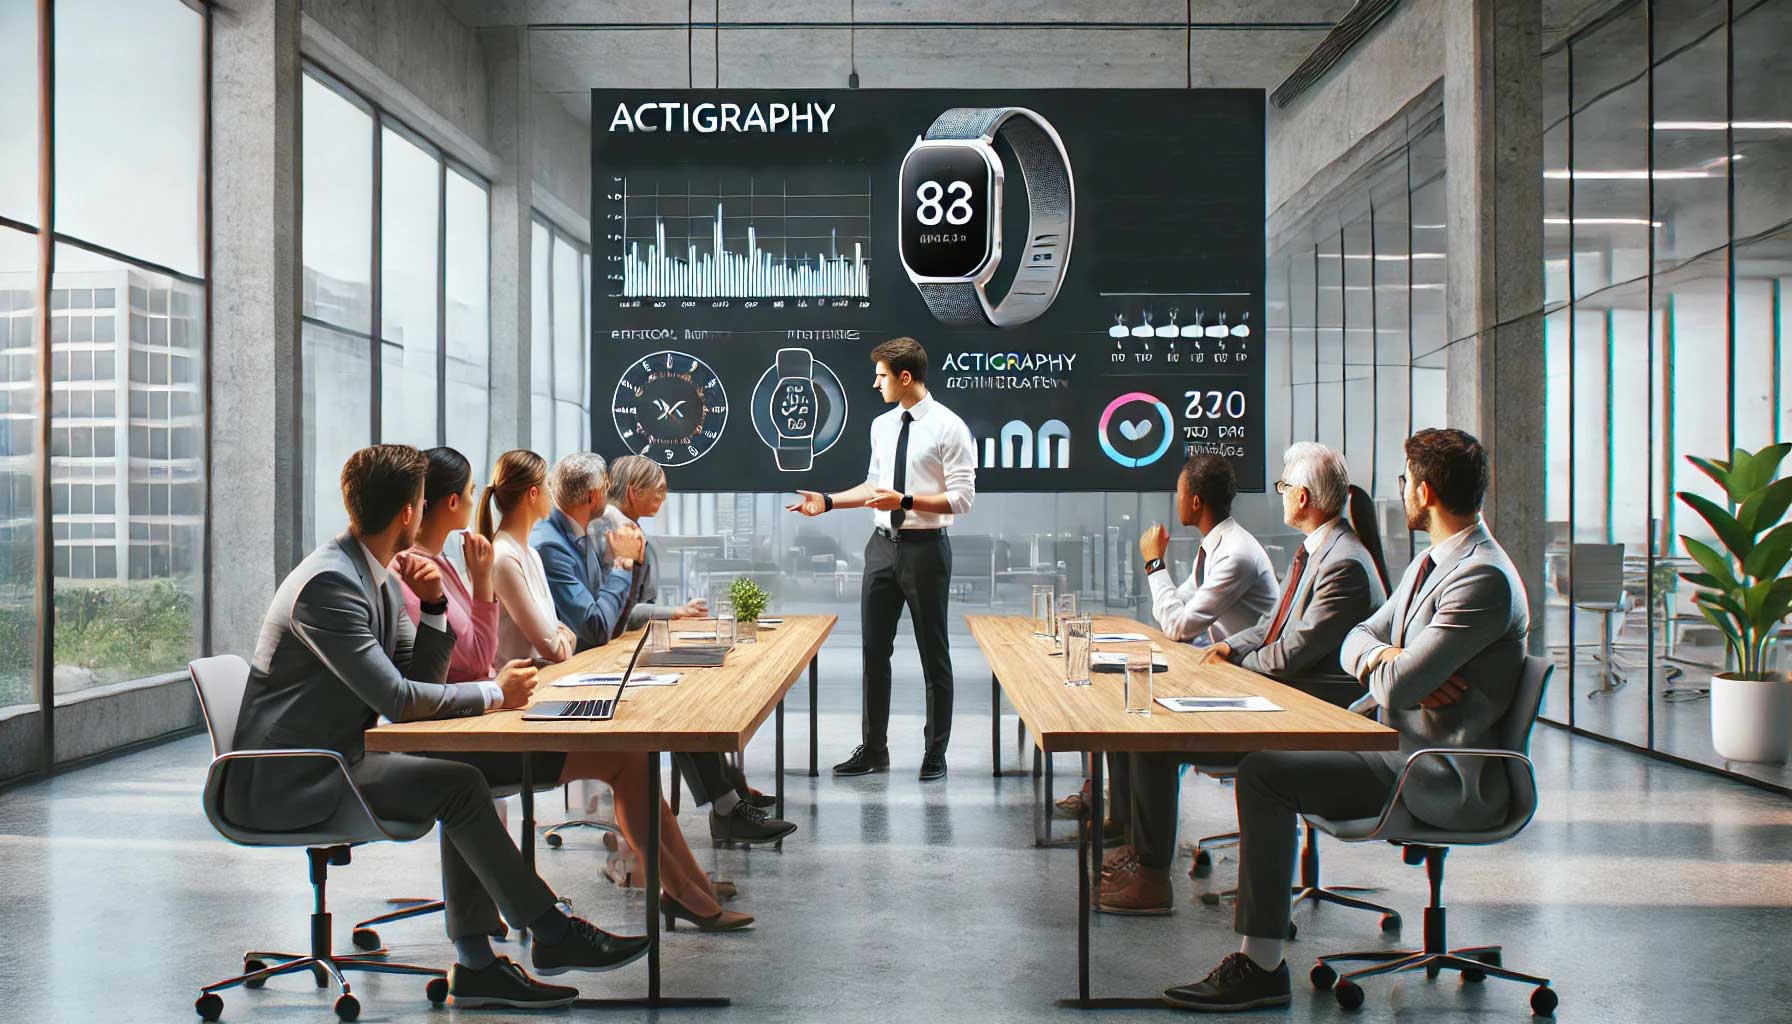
1154 565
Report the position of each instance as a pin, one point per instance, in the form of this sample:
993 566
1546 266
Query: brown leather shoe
1142 892
1118 861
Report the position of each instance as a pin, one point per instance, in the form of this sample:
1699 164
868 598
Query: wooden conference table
709 710
1092 719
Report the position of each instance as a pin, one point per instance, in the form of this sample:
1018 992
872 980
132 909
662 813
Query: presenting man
923 472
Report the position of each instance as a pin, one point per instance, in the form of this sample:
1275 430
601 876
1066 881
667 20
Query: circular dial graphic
798 417
670 407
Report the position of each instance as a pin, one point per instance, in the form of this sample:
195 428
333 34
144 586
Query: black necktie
385 617
1418 579
899 483
1200 567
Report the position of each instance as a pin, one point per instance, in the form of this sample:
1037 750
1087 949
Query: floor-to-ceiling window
560 378
102 349
396 247
1667 142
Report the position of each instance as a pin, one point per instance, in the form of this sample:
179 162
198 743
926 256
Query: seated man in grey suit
1441 659
1334 582
336 652
637 488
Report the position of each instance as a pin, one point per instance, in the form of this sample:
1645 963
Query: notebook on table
600 709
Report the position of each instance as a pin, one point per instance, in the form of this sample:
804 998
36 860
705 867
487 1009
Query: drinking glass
1078 629
1138 680
724 612
1044 611
659 635
1066 608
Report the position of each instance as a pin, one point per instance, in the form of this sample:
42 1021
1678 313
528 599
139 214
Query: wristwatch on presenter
953 185
793 410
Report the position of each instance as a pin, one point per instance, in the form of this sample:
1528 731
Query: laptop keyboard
596 708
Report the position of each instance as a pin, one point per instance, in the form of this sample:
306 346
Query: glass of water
724 612
659 635
1078 631
1138 680
1066 608
1044 611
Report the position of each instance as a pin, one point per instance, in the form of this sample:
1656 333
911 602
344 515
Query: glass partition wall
1667 141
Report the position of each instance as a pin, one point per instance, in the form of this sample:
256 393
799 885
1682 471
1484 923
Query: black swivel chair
221 682
1424 844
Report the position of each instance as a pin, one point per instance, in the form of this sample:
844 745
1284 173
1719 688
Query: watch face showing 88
670 407
947 190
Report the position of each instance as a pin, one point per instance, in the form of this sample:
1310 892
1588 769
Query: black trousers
1155 779
482 870
708 775
915 573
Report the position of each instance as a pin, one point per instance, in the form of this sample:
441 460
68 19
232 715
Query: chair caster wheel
1293 931
1543 1002
1203 864
347 1007
210 1006
1472 976
1211 899
437 990
366 939
1323 977
1433 971
250 967
321 976
1390 922
554 840
1350 995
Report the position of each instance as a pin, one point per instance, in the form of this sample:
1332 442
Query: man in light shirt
923 472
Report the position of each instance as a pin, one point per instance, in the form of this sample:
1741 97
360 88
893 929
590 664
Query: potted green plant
750 600
1741 592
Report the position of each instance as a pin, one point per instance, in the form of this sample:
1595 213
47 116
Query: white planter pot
1751 719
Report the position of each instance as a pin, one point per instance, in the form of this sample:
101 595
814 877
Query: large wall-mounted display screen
1085 272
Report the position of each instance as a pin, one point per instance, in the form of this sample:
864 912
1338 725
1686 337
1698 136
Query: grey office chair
221 682
1427 845
1596 584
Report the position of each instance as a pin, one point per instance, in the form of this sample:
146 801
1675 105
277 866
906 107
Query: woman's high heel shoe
723 921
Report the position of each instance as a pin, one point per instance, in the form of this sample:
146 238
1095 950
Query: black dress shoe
1236 984
586 947
864 761
747 824
503 983
933 766
763 801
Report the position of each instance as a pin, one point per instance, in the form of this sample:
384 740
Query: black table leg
995 726
527 838
780 734
1097 818
1088 862
814 730
1082 910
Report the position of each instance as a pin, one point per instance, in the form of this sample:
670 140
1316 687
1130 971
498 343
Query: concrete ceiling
577 45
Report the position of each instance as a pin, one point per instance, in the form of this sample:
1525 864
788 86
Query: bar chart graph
745 239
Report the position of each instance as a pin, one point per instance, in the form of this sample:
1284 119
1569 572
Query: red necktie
1295 572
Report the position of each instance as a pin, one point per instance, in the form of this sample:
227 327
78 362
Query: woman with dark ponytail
468 586
1362 520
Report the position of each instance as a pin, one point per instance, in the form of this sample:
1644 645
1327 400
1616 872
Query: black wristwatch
437 607
827 503
908 502
1153 565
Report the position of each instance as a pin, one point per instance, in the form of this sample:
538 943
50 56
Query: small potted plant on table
750 600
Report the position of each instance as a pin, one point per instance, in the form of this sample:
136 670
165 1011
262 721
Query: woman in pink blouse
448 502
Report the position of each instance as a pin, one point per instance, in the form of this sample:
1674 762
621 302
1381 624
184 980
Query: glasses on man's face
1401 480
1283 486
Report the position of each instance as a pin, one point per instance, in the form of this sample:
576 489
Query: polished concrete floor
1646 891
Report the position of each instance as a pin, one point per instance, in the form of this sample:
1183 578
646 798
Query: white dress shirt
1238 587
438 621
1317 538
942 459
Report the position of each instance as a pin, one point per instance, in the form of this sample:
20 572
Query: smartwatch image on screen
799 409
952 187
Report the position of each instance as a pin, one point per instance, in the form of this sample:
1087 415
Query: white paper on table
612 678
1119 638
696 634
1251 702
1117 659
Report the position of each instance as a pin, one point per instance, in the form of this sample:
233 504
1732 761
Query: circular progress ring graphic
670 407
1134 430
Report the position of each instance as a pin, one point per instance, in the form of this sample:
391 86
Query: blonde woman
527 627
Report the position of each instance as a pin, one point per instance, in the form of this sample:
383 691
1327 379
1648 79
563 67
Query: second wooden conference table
709 710
1093 720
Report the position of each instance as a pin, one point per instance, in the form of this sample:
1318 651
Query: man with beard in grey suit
336 652
1441 659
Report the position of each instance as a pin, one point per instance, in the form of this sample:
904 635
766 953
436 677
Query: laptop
594 710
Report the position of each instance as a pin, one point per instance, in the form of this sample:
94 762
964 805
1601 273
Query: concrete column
255 316
1493 140
513 141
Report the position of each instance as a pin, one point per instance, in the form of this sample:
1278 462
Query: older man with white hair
591 601
1335 581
